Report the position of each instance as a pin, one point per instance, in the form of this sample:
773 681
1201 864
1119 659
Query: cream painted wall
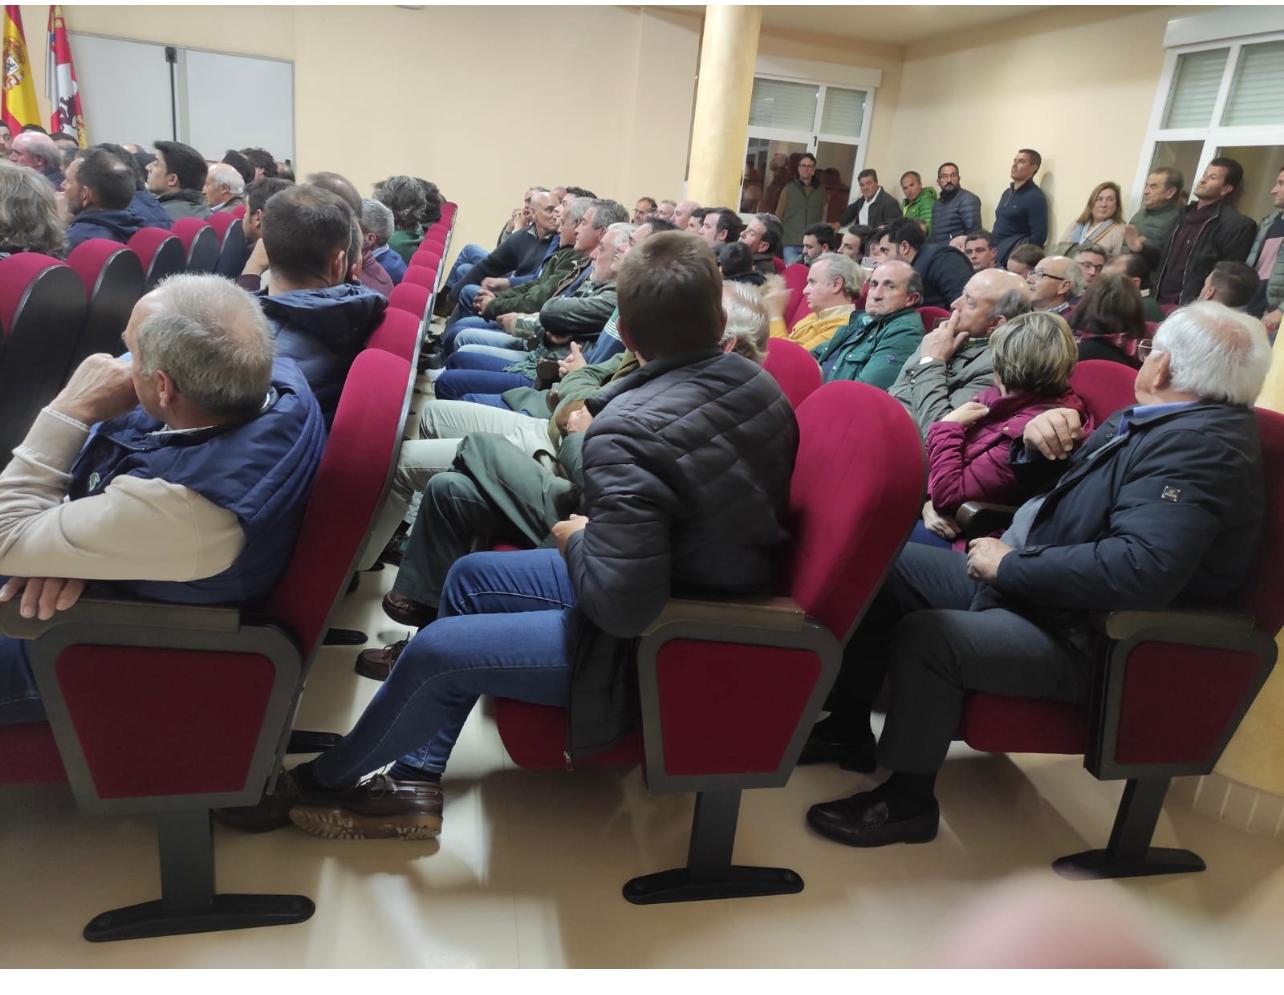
1076 84
441 93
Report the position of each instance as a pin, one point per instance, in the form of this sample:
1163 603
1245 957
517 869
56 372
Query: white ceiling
884 24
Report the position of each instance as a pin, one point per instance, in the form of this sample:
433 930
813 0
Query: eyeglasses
1039 274
1144 348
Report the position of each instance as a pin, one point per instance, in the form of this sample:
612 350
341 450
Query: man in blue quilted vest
178 472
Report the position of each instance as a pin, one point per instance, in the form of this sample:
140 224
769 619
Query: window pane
1195 85
835 164
1257 94
843 113
777 104
1182 156
769 165
1261 168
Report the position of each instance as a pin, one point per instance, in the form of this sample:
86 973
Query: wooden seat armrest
118 612
980 518
767 612
1128 624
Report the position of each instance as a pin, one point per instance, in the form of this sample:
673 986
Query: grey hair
608 212
28 211
580 207
376 218
41 146
228 178
845 268
1012 303
1074 273
212 339
747 320
1215 352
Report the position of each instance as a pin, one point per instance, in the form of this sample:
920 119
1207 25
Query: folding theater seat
201 243
931 315
42 311
1170 689
795 280
398 333
729 690
794 368
161 253
422 275
412 297
113 279
232 249
237 212
172 710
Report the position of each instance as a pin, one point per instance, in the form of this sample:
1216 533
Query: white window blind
844 112
1257 92
1194 89
778 104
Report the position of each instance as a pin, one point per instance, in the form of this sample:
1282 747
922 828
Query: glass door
788 118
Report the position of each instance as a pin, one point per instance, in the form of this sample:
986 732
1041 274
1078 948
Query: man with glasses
1056 282
956 211
1091 259
1163 504
1022 214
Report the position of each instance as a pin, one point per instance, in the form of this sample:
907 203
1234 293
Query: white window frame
813 136
1215 135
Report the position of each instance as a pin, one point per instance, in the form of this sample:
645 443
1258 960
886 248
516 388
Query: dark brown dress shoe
378 664
407 612
272 811
380 808
867 819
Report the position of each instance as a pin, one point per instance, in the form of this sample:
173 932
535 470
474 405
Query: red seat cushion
793 367
997 723
535 738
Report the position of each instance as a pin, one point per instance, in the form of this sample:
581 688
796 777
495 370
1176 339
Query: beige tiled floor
529 869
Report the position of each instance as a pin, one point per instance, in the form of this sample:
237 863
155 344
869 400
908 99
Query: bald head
340 186
31 148
990 298
682 213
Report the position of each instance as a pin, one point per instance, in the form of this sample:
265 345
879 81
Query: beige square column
728 53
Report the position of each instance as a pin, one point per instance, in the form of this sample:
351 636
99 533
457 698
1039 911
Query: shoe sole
340 824
917 830
375 673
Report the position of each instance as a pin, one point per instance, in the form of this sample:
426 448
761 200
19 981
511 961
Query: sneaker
377 809
378 664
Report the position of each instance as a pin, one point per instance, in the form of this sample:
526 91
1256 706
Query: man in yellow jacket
832 282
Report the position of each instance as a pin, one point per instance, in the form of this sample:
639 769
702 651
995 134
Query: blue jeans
469 256
508 355
452 385
19 699
494 337
457 325
505 627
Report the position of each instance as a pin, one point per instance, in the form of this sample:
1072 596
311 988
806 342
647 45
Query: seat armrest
1125 625
779 614
980 518
112 612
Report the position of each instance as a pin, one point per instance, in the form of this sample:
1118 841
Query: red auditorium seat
113 279
237 212
398 333
42 311
421 275
795 280
232 250
794 368
1171 690
1151 328
931 315
412 297
161 253
778 264
729 690
172 710
200 242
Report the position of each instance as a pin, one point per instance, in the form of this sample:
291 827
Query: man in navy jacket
99 189
1022 214
1162 505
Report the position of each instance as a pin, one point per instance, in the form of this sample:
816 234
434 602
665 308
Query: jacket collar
654 368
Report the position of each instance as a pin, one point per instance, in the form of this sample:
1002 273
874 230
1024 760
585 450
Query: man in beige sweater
168 472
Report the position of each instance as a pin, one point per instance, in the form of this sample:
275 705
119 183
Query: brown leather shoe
380 808
378 664
407 612
272 811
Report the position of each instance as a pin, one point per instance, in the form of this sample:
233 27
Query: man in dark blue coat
1162 505
99 189
687 466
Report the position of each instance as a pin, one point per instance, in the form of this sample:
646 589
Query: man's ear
337 270
368 240
166 390
1163 370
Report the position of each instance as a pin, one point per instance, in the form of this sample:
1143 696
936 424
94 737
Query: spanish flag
18 101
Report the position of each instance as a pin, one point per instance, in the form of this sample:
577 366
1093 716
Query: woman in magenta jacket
968 450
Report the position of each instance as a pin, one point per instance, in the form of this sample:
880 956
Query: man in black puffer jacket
687 468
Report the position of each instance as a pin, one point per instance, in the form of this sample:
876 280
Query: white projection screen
220 101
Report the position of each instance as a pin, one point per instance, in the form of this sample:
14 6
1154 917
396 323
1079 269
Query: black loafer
861 756
866 820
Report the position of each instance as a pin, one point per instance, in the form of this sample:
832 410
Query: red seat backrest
398 333
146 242
17 273
421 275
930 315
90 257
354 470
857 485
795 280
186 229
1262 597
1105 386
411 297
778 264
221 221
794 368
237 212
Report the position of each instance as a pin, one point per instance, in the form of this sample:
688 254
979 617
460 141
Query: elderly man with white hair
224 188
376 229
38 151
1164 504
176 473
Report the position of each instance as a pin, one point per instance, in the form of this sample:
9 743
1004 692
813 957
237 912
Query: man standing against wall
1160 204
1267 259
956 211
801 205
1022 214
919 200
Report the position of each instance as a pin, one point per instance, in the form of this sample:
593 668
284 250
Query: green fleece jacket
559 269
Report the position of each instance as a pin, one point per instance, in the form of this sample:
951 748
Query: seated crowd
598 395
